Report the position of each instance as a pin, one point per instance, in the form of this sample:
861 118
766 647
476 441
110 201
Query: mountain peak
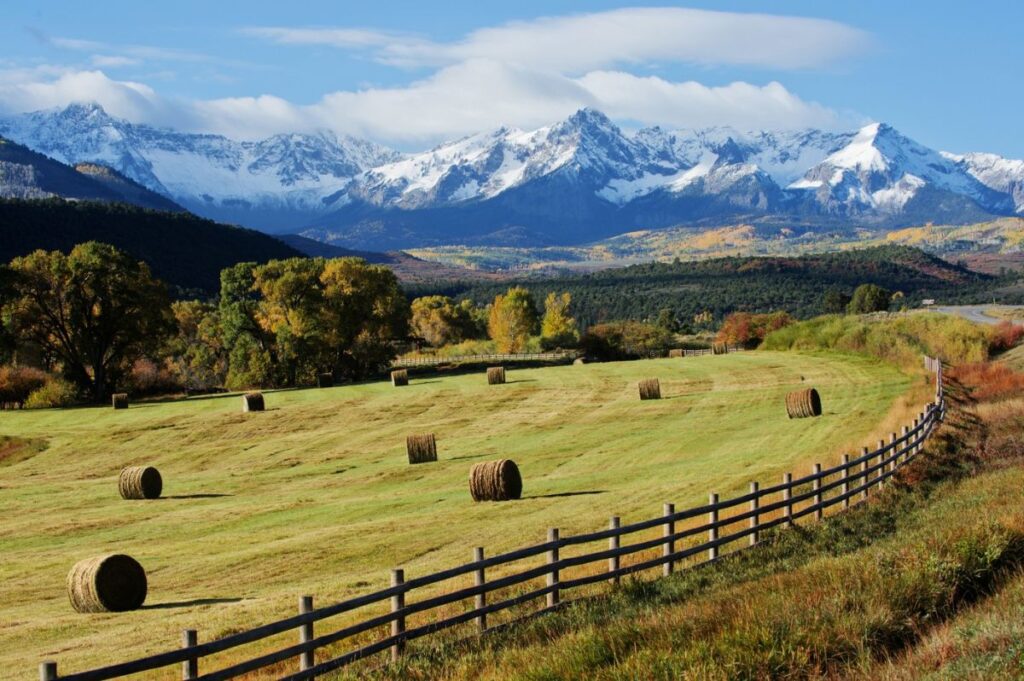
590 119
83 111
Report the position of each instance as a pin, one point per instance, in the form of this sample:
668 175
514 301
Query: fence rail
761 509
509 357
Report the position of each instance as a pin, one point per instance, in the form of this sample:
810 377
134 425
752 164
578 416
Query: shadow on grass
522 380
210 495
189 604
567 494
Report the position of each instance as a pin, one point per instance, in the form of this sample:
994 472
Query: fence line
496 357
848 482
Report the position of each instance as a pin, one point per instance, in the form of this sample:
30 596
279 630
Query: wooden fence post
481 598
881 466
669 547
713 521
613 543
306 633
816 486
190 667
845 489
892 453
48 671
755 520
863 473
397 604
907 449
553 574
787 493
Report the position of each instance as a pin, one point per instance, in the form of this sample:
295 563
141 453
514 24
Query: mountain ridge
575 181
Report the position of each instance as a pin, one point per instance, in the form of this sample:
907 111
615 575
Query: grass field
315 496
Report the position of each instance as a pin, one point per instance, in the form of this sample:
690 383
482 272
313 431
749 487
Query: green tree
365 311
869 298
667 320
835 301
558 329
251 362
290 311
196 353
93 312
513 319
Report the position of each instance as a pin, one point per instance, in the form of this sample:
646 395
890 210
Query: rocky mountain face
575 181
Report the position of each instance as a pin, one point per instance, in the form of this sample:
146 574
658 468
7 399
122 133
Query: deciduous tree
93 311
513 319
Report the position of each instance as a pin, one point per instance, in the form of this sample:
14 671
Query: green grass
318 498
922 582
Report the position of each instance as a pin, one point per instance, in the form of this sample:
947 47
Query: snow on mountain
209 174
575 179
998 173
881 171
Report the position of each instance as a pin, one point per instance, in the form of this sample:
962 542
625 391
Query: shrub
744 328
55 393
901 340
625 340
149 378
17 383
1005 335
988 380
869 298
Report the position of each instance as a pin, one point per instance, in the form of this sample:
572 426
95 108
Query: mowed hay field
316 496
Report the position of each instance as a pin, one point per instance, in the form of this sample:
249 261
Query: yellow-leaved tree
513 320
558 329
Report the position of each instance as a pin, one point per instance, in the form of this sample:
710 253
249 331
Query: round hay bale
140 482
650 389
421 448
252 402
325 380
119 400
495 375
400 377
112 583
803 403
675 352
495 481
719 349
579 361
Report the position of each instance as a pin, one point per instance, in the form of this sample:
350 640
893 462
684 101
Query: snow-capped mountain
282 181
574 181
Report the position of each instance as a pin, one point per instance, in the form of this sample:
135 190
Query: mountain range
576 181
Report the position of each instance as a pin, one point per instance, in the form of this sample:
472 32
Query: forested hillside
724 285
183 250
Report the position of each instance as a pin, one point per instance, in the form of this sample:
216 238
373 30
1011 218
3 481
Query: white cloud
51 86
524 74
583 42
113 61
457 100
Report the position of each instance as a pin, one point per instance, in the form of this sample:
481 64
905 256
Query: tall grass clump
900 340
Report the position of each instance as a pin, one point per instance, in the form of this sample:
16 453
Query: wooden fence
719 350
510 357
676 538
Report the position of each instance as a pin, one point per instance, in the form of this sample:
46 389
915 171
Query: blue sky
411 74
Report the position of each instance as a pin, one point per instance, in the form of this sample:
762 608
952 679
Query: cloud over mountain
523 73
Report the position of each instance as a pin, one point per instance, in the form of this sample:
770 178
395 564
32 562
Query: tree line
93 321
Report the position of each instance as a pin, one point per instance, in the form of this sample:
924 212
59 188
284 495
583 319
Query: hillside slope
26 174
185 251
